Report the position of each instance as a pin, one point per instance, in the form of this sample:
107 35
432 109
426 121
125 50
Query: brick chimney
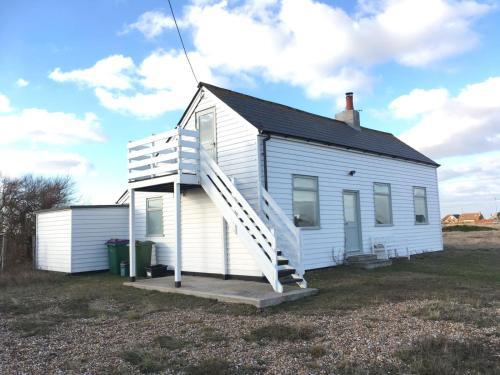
350 116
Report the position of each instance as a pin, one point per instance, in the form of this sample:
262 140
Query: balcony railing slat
175 151
153 138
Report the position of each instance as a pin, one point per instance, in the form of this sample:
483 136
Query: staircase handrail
289 237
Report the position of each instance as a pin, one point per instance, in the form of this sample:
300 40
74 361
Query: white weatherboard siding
202 247
324 247
91 228
73 240
53 241
201 232
236 145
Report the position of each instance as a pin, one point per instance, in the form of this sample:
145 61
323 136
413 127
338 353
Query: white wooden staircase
273 240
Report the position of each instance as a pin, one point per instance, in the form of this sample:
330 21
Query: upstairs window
305 201
154 217
420 205
383 206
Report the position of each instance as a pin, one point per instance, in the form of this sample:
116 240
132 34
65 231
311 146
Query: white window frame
415 206
316 190
148 210
391 222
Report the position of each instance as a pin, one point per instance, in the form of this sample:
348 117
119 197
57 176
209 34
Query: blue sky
81 78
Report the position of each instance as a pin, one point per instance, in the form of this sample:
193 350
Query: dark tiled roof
278 119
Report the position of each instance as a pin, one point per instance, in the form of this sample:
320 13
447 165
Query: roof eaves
434 164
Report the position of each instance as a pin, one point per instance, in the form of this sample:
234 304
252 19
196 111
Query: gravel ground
369 336
95 339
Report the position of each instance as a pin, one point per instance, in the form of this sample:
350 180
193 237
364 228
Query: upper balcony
163 159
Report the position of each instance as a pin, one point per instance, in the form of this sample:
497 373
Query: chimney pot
349 103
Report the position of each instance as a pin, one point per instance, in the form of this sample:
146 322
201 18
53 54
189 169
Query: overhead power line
182 42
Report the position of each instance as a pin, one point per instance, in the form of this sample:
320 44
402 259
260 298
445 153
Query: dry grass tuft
317 351
457 312
280 332
447 357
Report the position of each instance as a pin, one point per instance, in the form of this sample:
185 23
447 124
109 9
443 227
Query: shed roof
278 119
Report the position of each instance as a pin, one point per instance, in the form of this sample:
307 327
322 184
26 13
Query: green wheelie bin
117 252
142 256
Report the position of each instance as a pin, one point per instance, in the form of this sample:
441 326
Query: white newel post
225 272
178 246
131 235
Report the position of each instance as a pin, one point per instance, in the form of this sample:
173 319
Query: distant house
470 218
450 219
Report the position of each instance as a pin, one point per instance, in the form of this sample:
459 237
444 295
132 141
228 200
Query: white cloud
113 72
162 82
418 101
14 162
22 82
150 24
312 44
305 43
141 105
40 125
5 104
466 124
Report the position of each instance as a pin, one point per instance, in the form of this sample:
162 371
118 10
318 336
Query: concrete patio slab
253 293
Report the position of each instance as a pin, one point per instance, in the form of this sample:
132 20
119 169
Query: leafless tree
20 198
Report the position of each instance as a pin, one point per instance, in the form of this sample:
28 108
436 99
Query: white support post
225 271
177 233
131 235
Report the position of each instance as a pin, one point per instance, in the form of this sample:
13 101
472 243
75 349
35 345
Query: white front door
352 225
205 123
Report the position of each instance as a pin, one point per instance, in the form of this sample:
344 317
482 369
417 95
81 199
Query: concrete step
361 258
372 264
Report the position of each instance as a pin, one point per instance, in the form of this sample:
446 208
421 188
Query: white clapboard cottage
250 188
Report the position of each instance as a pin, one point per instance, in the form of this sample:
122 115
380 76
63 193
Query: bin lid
116 241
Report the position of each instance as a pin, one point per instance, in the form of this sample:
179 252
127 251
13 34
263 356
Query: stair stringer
236 210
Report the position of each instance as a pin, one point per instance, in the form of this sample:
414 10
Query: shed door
352 225
205 122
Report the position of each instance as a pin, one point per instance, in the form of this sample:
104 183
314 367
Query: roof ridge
287 106
271 102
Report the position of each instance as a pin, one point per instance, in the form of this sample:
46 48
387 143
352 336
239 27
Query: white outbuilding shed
72 239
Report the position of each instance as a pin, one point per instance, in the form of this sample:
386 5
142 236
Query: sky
79 79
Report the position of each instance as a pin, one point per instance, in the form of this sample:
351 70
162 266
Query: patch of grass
211 366
317 351
33 327
146 360
466 228
444 356
169 342
350 368
457 274
217 366
22 276
210 334
457 312
21 306
280 332
134 315
77 308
